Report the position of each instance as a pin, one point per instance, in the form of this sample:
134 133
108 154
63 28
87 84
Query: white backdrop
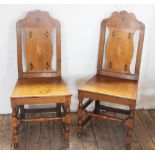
80 39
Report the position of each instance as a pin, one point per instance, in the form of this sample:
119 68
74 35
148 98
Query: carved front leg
80 115
67 120
15 124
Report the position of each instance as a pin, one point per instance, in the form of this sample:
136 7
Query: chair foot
79 130
66 135
16 145
128 146
66 120
67 142
129 139
79 135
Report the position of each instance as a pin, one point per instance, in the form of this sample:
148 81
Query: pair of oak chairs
40 84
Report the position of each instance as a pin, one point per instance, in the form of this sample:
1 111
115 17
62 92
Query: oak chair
39 83
114 82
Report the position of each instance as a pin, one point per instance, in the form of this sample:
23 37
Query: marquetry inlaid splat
119 50
39 84
39 50
118 46
114 82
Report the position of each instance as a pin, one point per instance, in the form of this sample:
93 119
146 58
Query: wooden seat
40 87
115 87
39 83
116 81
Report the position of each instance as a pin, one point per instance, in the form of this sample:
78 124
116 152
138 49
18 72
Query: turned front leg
67 121
15 127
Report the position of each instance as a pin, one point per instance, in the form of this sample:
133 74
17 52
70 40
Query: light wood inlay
119 56
39 84
114 83
38 46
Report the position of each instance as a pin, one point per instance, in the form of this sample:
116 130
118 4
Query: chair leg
67 121
130 125
97 107
58 107
22 111
15 127
80 114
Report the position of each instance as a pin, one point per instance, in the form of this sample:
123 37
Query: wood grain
33 135
38 26
38 46
148 123
111 86
119 46
46 135
22 137
101 133
142 135
114 82
59 142
135 142
115 135
40 87
76 142
1 121
39 84
119 56
6 133
101 137
89 139
146 119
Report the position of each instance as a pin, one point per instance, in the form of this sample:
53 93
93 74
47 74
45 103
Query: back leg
130 125
80 114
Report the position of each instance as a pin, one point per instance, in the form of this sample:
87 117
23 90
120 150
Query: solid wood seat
118 66
115 87
40 87
39 82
